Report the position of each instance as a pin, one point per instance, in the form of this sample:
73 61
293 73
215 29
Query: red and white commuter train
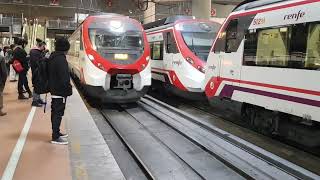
267 58
179 49
110 55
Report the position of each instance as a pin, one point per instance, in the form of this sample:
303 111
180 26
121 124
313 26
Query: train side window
298 46
77 48
313 47
250 48
151 50
81 42
220 44
72 47
171 46
157 51
267 47
273 47
231 36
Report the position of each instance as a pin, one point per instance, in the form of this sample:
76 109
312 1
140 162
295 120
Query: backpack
43 77
17 66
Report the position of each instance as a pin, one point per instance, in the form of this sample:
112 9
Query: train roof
250 4
166 21
106 14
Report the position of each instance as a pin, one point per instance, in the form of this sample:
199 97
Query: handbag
17 66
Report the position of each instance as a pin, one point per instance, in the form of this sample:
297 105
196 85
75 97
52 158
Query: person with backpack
20 56
59 86
3 79
38 65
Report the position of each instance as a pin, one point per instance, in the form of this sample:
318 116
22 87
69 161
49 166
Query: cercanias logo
295 16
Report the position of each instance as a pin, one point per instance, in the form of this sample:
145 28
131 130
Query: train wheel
261 120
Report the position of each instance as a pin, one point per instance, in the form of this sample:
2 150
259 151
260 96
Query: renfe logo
295 16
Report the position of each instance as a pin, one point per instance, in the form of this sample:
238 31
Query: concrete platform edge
90 156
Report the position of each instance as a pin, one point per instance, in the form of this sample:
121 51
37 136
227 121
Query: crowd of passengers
50 74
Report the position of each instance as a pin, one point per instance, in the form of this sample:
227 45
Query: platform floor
26 151
39 159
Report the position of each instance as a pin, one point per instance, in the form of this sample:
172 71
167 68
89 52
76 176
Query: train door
168 54
231 58
157 58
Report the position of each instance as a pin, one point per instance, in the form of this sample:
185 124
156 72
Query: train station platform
26 151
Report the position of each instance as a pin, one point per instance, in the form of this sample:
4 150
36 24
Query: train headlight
201 69
143 66
148 58
90 57
100 66
190 60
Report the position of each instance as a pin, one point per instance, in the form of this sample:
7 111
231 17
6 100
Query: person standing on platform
59 87
5 51
21 55
37 58
13 76
3 79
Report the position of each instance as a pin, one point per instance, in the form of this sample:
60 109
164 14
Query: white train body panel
285 83
190 77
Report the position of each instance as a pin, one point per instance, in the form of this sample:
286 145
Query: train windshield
117 36
199 36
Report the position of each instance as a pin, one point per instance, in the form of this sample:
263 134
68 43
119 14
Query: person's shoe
36 104
63 135
40 101
22 97
59 141
2 113
30 94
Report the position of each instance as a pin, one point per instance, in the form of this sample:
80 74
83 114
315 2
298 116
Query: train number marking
259 21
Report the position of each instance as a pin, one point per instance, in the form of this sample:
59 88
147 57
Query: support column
201 9
150 13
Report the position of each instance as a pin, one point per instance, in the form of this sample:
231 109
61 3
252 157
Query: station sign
109 3
213 12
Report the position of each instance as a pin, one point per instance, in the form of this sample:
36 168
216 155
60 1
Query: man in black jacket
60 87
21 55
3 78
37 57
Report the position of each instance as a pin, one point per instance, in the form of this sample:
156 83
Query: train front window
199 36
119 41
115 34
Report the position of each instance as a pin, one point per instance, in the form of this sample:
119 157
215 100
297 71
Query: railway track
168 143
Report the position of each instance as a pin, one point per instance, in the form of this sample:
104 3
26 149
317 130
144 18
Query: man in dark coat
3 78
21 55
37 57
60 87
